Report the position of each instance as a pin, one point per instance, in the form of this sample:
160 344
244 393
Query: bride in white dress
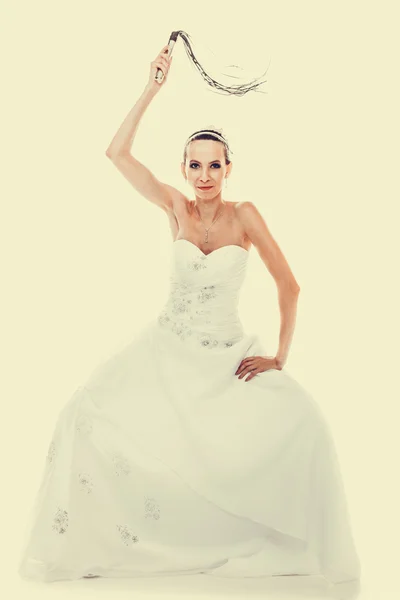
189 450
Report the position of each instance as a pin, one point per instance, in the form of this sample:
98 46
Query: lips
207 187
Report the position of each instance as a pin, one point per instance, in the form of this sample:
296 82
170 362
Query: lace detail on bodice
204 294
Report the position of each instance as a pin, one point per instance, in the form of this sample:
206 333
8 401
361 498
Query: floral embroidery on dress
178 286
197 263
121 464
60 521
208 342
85 482
84 424
181 329
206 293
163 318
51 452
152 509
181 305
127 535
184 315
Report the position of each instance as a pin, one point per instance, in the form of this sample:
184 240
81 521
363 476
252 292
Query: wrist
150 90
280 361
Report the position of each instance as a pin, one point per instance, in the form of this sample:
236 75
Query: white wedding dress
164 462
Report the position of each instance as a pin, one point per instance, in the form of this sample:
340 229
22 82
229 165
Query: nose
204 179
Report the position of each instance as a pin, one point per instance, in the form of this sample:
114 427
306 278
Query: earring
226 182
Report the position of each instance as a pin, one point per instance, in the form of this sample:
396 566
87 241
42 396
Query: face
205 166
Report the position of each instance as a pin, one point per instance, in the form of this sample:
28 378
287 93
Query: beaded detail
60 521
84 424
85 482
198 263
208 342
183 331
152 510
207 293
121 465
51 453
127 535
189 310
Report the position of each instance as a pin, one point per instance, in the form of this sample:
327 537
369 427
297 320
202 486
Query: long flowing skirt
164 462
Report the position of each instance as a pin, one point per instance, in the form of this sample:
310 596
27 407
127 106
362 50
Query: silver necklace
208 228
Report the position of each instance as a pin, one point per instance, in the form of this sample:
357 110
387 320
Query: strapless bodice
204 294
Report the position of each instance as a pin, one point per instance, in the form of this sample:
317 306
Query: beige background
85 259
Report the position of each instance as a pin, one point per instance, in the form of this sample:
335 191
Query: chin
212 192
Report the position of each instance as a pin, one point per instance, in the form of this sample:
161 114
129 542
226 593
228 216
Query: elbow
293 286
114 154
290 288
111 155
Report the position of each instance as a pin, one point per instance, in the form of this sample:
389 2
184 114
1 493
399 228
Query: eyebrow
212 161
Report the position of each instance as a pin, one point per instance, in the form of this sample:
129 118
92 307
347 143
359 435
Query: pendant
206 238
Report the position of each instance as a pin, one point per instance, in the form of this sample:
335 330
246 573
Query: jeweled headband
218 135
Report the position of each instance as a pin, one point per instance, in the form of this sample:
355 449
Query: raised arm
119 150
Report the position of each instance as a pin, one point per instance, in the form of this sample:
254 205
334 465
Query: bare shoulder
250 218
258 232
246 210
254 226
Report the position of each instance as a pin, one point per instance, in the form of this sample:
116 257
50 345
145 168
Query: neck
209 208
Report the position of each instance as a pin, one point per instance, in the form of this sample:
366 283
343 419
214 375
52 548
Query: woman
190 451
